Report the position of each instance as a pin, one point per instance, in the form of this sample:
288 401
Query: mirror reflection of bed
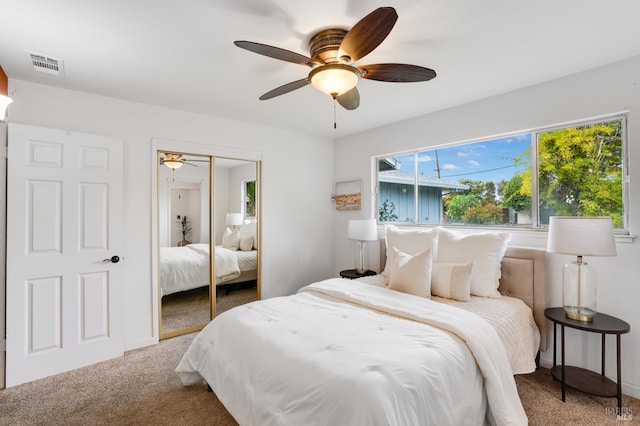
236 231
187 232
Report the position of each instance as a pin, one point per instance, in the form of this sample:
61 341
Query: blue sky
485 160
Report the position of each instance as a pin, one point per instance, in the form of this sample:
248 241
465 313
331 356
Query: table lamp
362 230
580 236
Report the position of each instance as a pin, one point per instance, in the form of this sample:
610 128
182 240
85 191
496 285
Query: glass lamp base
579 291
579 314
361 259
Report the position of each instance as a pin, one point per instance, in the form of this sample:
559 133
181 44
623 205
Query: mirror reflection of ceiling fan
333 54
175 161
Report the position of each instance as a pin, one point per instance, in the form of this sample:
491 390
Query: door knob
112 259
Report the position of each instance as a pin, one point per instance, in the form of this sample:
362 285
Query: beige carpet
185 309
141 388
191 308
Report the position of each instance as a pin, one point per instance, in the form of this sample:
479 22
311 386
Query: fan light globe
173 164
334 79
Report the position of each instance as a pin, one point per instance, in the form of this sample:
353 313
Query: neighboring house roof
396 176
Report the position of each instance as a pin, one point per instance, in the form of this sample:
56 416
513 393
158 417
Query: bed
185 268
359 352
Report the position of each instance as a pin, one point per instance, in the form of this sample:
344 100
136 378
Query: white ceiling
180 54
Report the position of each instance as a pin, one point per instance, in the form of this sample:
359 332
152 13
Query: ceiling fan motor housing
324 46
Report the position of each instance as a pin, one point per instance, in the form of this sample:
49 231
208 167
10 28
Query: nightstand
352 274
579 378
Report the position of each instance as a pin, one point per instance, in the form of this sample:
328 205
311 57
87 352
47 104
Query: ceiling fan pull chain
334 110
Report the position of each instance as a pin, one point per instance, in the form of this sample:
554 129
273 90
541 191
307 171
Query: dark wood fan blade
274 52
349 100
396 73
289 87
368 33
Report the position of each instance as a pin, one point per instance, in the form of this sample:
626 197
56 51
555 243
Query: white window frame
535 213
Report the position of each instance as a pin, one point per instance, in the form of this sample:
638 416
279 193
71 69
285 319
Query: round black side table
582 379
352 274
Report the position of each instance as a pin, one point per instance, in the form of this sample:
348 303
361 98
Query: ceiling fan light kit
334 79
172 161
173 164
333 52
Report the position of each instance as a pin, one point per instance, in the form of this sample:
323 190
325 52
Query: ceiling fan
175 161
333 53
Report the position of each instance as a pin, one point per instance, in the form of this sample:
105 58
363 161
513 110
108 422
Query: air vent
46 64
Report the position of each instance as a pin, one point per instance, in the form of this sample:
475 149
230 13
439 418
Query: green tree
489 193
500 189
476 187
483 214
386 212
458 206
516 195
580 171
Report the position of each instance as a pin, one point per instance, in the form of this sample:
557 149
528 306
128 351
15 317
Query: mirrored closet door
236 212
184 236
208 208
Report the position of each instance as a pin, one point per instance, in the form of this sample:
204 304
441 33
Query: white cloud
450 167
424 158
473 163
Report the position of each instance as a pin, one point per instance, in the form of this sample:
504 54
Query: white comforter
340 352
510 317
185 268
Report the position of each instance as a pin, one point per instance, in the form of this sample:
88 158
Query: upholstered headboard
524 276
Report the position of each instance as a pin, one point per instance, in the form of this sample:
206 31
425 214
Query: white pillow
231 239
410 241
247 232
451 280
411 274
253 225
485 250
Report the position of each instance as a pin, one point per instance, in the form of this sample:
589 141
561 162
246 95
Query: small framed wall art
349 195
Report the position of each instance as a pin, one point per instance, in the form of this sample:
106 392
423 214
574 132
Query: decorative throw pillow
410 241
247 231
231 239
411 274
452 280
485 250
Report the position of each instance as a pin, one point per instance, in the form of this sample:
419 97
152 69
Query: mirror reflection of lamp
580 236
234 220
362 230
5 100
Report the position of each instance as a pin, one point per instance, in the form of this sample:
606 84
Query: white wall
185 175
605 90
297 181
221 201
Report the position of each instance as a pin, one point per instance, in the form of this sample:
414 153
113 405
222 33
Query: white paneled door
64 239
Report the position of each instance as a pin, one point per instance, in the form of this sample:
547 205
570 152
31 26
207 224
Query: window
249 197
517 181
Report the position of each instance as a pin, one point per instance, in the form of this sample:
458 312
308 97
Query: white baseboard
140 344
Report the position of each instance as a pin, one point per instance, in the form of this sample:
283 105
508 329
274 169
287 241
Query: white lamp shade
234 219
581 236
362 230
